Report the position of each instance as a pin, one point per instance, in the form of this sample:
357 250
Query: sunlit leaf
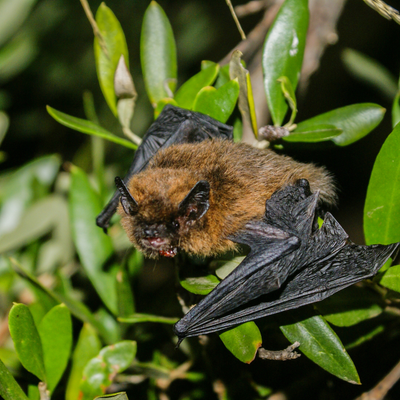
243 341
55 332
321 344
382 205
158 54
391 278
88 127
27 340
200 285
318 133
107 58
217 103
187 93
162 103
135 318
283 54
355 121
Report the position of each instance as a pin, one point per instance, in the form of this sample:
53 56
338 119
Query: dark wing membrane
174 125
277 276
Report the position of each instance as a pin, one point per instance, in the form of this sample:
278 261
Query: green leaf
382 205
321 344
158 54
243 341
88 346
92 245
88 127
217 103
101 370
187 93
283 54
114 396
317 133
223 76
391 278
107 58
350 306
246 100
356 121
288 93
371 72
135 318
9 388
27 340
224 268
200 285
55 332
396 110
161 104
126 303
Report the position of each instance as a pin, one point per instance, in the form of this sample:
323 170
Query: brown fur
241 177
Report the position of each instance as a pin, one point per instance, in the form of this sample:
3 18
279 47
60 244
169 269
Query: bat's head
159 213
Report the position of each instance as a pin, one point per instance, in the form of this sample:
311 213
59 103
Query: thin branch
252 7
384 9
93 23
235 18
380 390
280 355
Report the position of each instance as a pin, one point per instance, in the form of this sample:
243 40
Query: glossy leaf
27 340
321 344
200 285
88 346
370 71
243 341
382 205
9 388
356 121
350 306
187 93
88 127
320 133
92 245
283 54
107 58
135 318
246 100
158 54
55 332
217 103
101 370
391 278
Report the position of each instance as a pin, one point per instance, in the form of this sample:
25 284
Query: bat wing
174 125
308 265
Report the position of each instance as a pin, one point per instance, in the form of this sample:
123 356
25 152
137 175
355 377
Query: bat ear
129 204
196 203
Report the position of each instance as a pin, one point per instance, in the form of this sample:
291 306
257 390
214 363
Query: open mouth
162 245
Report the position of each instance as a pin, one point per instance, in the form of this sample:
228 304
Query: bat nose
151 232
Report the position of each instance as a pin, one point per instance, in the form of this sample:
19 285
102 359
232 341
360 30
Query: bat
191 189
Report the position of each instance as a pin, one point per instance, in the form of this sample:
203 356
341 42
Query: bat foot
280 355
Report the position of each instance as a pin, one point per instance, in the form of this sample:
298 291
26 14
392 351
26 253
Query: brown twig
235 18
252 7
380 390
280 355
384 9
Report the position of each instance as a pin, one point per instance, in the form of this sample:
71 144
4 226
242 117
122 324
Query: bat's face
156 224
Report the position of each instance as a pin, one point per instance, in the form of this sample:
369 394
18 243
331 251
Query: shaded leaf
321 344
158 54
391 278
288 93
382 205
88 127
55 332
187 93
9 388
350 306
396 110
217 103
26 340
126 303
200 285
135 318
88 346
93 246
224 268
283 54
107 59
356 121
243 341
